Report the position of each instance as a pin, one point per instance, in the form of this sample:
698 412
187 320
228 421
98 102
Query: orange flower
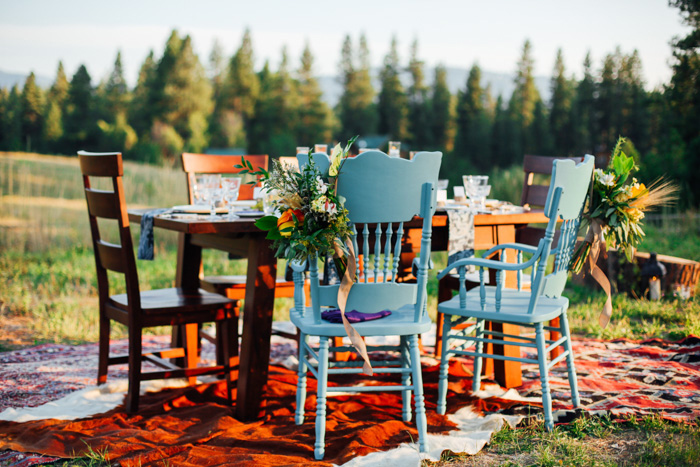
286 221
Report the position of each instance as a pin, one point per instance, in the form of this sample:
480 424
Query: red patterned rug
617 377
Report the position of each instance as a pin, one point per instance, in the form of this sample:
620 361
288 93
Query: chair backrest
564 202
536 195
105 204
322 161
194 164
381 193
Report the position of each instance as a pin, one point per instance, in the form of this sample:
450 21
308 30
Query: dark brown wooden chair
231 286
138 309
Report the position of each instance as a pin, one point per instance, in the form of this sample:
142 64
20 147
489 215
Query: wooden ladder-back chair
381 194
526 308
231 286
137 309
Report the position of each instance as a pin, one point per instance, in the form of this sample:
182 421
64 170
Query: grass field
48 287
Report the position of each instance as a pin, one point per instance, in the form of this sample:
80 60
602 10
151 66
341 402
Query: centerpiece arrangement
613 215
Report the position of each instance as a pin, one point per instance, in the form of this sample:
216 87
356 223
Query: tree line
178 104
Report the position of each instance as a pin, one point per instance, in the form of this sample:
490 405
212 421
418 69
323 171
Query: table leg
257 328
507 373
189 262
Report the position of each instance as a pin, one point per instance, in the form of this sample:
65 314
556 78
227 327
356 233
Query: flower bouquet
614 212
310 219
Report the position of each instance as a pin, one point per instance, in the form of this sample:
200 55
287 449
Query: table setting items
394 149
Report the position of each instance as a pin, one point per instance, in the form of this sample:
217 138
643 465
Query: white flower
320 186
336 157
323 204
604 179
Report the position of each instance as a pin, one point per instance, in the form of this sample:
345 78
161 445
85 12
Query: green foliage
472 150
32 103
560 115
356 110
419 131
440 111
314 119
391 105
80 125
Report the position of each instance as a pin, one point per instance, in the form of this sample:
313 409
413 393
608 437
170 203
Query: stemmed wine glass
477 188
231 186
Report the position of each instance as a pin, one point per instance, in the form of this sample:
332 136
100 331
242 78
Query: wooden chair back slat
103 204
101 164
536 195
194 164
111 256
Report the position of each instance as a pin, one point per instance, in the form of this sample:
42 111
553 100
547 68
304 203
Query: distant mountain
7 80
501 83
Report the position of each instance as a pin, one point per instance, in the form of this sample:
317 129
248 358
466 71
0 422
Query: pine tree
141 109
241 90
32 103
356 110
521 108
54 111
80 122
473 126
560 113
314 121
584 121
58 92
635 116
115 94
499 147
419 130
392 106
217 119
608 102
11 121
441 116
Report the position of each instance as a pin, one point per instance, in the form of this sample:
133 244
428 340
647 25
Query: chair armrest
486 263
414 265
298 265
512 246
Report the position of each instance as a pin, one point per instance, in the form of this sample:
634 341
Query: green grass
595 441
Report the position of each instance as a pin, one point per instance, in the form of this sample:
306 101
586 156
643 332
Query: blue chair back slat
321 160
565 200
381 190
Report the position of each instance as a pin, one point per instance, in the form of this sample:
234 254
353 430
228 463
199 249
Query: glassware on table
231 187
367 149
481 192
269 201
321 148
471 184
442 184
302 149
216 194
460 195
395 148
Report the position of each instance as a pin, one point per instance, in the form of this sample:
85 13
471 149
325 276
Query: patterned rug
617 377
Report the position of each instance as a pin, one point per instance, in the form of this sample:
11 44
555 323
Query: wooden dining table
243 239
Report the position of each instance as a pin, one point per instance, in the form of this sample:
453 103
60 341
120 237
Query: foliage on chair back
531 308
381 194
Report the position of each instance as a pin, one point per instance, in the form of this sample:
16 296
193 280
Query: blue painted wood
381 193
544 302
321 160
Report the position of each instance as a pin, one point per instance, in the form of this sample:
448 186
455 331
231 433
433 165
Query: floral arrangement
312 220
616 206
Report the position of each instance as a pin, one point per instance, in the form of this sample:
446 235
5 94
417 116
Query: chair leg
301 380
421 421
191 349
571 369
225 344
320 446
103 359
478 360
135 349
544 377
405 380
444 362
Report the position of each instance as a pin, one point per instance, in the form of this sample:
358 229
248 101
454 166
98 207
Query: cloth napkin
460 243
145 250
353 316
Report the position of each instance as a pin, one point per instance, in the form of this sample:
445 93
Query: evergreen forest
182 102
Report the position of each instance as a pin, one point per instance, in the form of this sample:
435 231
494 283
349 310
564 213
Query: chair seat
399 323
237 281
174 299
514 306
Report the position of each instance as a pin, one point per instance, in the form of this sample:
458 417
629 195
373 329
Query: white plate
250 213
197 209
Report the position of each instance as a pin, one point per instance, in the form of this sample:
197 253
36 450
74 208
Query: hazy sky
36 34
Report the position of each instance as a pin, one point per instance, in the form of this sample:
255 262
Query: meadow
48 294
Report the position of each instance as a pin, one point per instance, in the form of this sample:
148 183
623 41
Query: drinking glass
269 199
215 193
367 149
471 184
200 190
302 149
321 148
395 148
481 192
231 186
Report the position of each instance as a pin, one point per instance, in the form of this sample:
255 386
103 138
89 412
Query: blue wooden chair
526 308
381 194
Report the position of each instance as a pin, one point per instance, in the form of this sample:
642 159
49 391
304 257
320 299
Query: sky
36 34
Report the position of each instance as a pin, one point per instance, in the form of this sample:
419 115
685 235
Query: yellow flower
286 221
635 214
336 158
293 201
